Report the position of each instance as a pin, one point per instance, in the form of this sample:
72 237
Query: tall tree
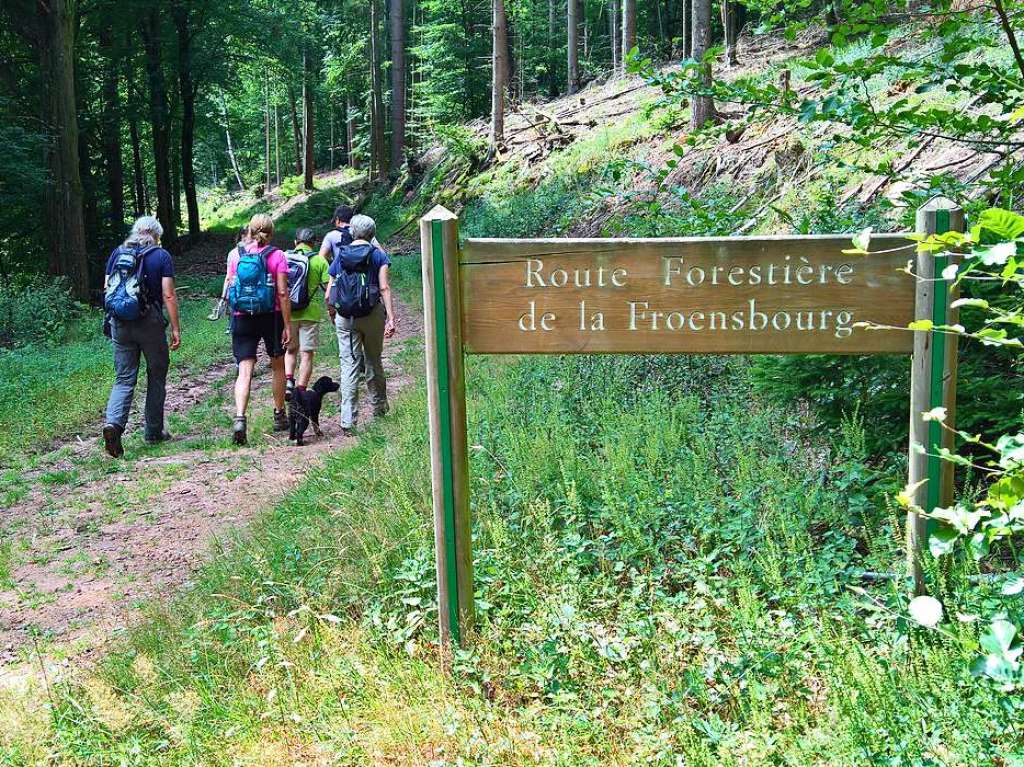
614 37
703 108
308 106
111 130
398 79
187 91
552 51
685 28
49 29
628 27
378 158
573 45
160 121
499 73
730 27
296 134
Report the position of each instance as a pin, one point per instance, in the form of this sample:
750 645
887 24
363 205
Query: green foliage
290 187
37 310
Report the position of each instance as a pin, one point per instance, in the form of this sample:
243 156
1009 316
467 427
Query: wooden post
446 400
932 382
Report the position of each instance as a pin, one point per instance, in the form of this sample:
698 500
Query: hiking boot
112 439
280 420
289 389
383 410
348 431
239 431
156 439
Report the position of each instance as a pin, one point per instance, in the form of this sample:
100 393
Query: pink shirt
277 263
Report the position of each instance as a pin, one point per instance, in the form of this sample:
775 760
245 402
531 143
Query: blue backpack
126 297
252 292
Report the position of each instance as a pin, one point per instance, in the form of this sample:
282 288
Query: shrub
37 310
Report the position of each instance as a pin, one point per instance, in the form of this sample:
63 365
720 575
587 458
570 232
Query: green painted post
932 383
446 398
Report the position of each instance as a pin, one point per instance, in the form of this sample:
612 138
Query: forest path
95 537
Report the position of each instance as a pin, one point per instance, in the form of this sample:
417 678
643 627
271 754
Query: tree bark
277 143
160 122
686 28
702 108
378 160
111 129
308 164
729 28
614 41
187 90
499 73
350 130
296 134
398 78
63 194
231 149
138 175
90 210
573 45
346 147
628 28
266 132
552 52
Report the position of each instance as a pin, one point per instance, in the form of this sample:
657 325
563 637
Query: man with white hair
138 287
360 303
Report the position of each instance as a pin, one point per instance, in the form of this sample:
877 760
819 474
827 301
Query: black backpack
356 291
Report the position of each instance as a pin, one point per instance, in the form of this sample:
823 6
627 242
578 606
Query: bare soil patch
89 553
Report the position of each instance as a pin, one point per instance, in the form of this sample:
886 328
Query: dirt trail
92 550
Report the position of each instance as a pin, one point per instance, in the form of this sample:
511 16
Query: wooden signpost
693 295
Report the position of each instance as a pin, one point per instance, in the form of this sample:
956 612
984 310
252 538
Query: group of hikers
273 297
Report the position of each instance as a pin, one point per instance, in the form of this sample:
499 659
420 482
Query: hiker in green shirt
304 265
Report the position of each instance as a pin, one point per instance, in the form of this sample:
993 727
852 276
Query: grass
663 577
48 393
226 214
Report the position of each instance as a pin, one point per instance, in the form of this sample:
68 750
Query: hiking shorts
249 329
305 336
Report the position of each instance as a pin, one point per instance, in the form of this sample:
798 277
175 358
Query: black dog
304 408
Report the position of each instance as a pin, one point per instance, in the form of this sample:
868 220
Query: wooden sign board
772 295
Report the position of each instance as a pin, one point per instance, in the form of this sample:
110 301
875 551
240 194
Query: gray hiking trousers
145 337
360 344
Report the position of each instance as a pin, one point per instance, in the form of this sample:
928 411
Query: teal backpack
253 289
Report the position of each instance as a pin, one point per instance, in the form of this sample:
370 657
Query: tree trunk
231 149
398 78
308 163
160 120
277 143
729 28
499 74
628 28
573 45
296 134
346 147
613 34
266 133
703 108
90 211
350 130
187 90
686 28
138 175
378 164
552 52
63 194
111 128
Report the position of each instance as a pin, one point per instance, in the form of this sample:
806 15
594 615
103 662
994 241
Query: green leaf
998 254
1003 224
921 325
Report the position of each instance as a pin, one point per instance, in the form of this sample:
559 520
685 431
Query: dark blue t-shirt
157 265
378 258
